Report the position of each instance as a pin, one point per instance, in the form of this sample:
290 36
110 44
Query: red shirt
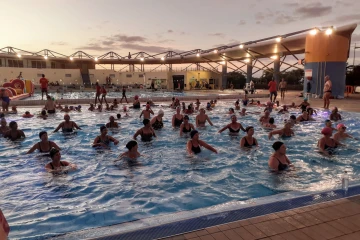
98 89
272 86
44 82
103 91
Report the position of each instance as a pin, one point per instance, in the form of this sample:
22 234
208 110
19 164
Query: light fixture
314 31
215 51
162 58
222 63
71 58
19 55
274 57
198 54
96 59
278 39
247 60
329 31
241 46
45 57
142 59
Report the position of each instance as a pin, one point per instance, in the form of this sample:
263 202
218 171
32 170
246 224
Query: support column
223 76
249 69
276 75
131 68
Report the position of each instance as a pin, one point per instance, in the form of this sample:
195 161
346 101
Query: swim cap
305 99
248 128
276 146
42 133
53 151
79 106
327 120
27 112
136 97
118 115
231 109
131 144
271 120
102 128
326 131
186 117
340 125
161 112
193 132
293 117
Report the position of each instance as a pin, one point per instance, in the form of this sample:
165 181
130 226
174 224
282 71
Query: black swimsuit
146 137
40 150
195 150
52 166
157 124
106 142
246 144
330 150
178 122
281 165
186 130
234 131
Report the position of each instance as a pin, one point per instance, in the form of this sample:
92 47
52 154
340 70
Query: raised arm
207 146
275 132
60 125
141 113
242 128
224 128
54 145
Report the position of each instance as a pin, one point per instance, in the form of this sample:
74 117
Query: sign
308 72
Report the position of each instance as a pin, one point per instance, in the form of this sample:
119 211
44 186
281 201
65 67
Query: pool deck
338 219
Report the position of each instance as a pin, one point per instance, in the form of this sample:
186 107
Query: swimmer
189 110
103 94
291 120
157 122
197 103
208 106
56 166
115 103
341 134
237 105
147 112
3 128
65 109
178 118
99 108
265 119
328 124
125 110
201 119
67 126
118 116
311 111
145 132
14 133
107 107
112 107
27 115
278 161
304 105
269 107
249 141
234 127
193 145
270 124
136 103
186 127
335 116
58 106
50 105
304 117
212 103
243 112
245 100
104 140
78 108
13 110
326 144
284 132
132 152
43 115
112 123
91 108
284 110
44 146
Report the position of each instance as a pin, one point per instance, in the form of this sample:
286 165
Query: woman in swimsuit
285 132
44 145
243 112
270 124
231 111
56 166
103 140
112 123
234 127
278 161
326 144
103 95
304 105
67 126
201 119
335 116
249 141
193 145
145 132
237 105
304 117
265 118
341 134
132 152
14 133
136 104
178 118
157 122
3 128
186 127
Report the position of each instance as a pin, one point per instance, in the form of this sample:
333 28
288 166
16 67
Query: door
178 81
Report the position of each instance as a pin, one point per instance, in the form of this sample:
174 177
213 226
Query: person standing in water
56 165
98 93
14 133
201 119
44 145
103 96
327 92
67 126
282 86
278 161
124 95
147 112
193 145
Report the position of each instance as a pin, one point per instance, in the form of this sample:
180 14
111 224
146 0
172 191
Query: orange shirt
272 86
44 82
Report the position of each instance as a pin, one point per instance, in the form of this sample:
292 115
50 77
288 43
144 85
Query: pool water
142 94
38 204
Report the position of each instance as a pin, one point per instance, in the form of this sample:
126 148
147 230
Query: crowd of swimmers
152 122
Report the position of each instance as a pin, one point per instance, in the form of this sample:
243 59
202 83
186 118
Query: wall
8 73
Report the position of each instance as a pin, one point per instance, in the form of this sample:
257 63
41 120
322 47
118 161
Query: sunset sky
154 26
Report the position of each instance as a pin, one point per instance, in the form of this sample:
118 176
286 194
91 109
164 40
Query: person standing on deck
272 89
282 86
44 86
327 92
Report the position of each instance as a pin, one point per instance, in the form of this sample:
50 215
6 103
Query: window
16 63
112 75
39 75
53 65
67 75
128 75
141 75
38 64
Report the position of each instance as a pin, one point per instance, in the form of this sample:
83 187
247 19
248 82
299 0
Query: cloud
145 48
284 19
258 22
348 17
170 31
259 16
242 22
313 10
166 41
355 37
127 39
291 4
95 47
60 43
221 35
108 42
344 3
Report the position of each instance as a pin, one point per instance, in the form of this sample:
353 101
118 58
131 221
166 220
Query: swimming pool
38 204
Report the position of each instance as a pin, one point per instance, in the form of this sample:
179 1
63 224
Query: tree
236 78
353 76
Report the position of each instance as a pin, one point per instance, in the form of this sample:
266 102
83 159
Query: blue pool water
165 180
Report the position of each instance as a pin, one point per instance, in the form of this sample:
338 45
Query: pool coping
161 226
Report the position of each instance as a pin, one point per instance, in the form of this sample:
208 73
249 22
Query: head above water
193 133
276 145
102 128
42 133
326 131
131 144
247 129
161 112
13 124
53 152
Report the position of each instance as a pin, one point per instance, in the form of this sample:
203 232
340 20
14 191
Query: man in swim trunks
124 95
14 134
5 100
147 112
50 105
98 92
44 86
